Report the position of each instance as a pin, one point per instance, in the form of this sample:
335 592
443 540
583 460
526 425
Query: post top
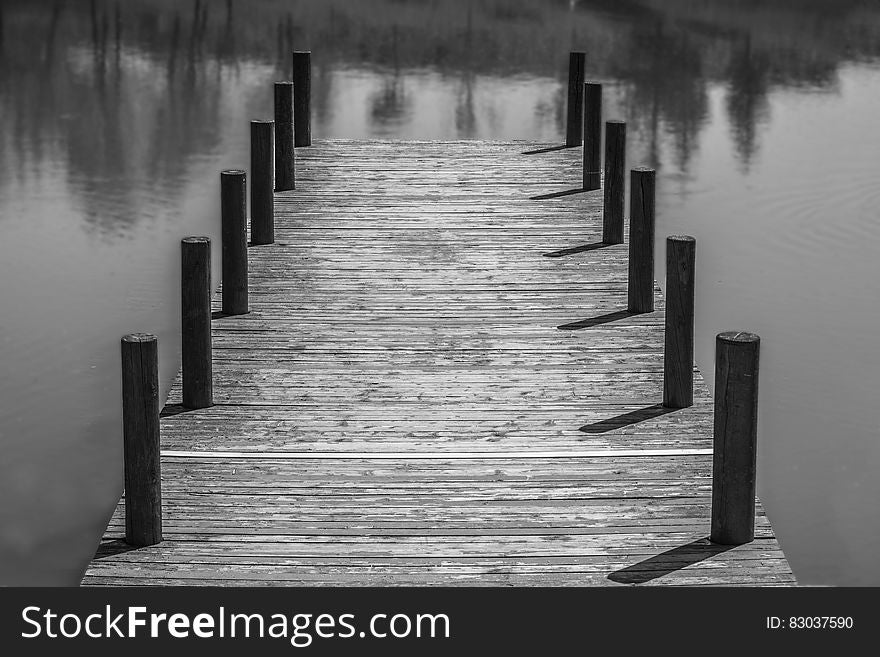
287 83
681 238
616 121
196 239
261 121
232 172
139 337
735 337
592 83
644 170
302 52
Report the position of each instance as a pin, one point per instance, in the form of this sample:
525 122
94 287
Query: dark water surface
761 116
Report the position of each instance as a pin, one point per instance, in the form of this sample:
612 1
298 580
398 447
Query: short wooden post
736 434
592 136
678 354
285 161
195 284
262 182
641 241
302 97
615 182
233 211
577 63
140 432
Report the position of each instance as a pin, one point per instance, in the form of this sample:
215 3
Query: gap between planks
439 455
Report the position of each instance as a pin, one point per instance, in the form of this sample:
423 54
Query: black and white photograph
420 294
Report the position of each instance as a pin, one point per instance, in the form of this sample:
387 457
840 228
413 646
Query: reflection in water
747 98
118 116
666 87
465 114
389 106
662 56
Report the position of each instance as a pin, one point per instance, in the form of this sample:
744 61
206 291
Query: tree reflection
465 115
78 92
662 68
747 104
390 104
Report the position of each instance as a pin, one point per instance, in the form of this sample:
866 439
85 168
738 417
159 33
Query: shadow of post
596 321
109 548
170 410
549 149
668 562
583 248
565 192
627 419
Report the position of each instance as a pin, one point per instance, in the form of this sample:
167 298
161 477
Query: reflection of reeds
526 35
799 34
663 54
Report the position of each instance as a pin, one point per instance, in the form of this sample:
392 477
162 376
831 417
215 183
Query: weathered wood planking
431 298
574 522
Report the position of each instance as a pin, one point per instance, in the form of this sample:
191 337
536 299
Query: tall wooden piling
302 97
233 211
285 161
195 284
615 182
678 354
592 136
736 434
262 182
140 431
577 63
640 286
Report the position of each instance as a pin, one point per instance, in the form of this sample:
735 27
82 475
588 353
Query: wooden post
302 98
262 182
195 298
592 136
233 204
678 354
641 241
736 433
577 63
285 160
615 182
140 432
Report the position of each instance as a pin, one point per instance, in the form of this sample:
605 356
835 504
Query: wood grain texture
195 330
262 182
592 136
641 240
302 98
615 182
433 322
234 260
577 62
285 158
736 433
595 521
142 519
678 353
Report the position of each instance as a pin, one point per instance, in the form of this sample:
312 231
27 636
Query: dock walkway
437 385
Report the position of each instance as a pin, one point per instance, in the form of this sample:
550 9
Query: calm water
118 116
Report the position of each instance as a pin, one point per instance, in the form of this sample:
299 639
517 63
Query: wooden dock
438 384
